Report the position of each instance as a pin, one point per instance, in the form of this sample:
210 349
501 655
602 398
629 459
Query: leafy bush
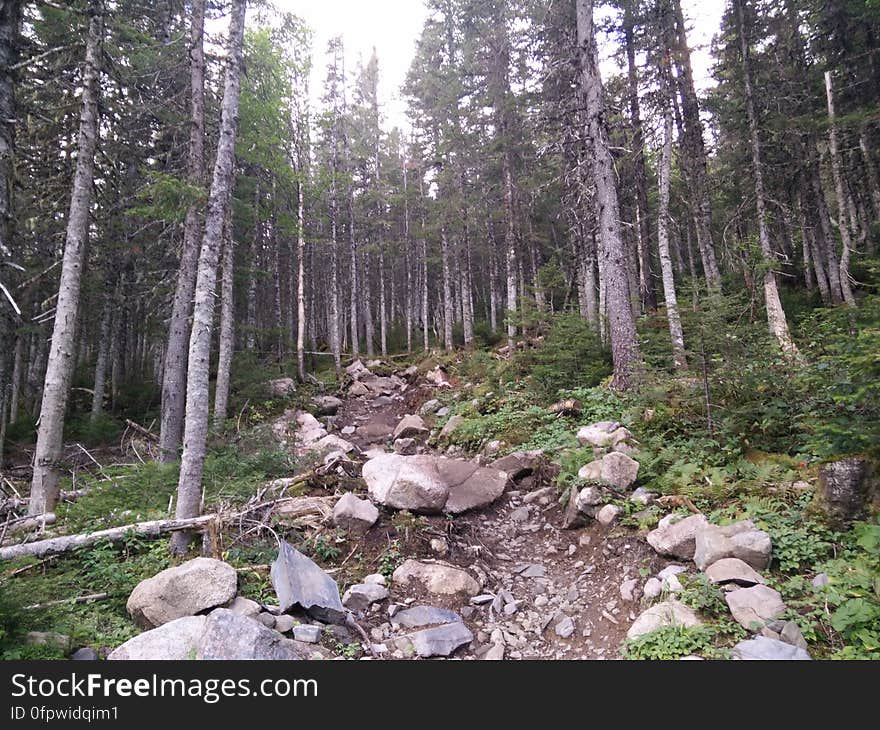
670 642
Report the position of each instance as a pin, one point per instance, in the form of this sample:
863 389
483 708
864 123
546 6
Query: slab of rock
440 640
597 434
282 387
432 484
300 582
668 613
740 540
769 650
183 590
358 390
429 407
733 570
374 431
437 376
242 606
615 469
754 607
307 633
608 514
418 616
406 446
361 596
453 423
285 623
354 514
410 427
846 489
327 405
219 635
357 369
677 539
436 577
518 464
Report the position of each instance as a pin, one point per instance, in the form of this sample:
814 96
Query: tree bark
624 346
174 370
775 314
59 369
227 328
189 486
103 355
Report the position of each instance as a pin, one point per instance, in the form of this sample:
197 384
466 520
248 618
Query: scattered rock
410 427
418 616
671 570
300 582
677 539
545 495
668 613
354 514
739 540
495 653
374 431
439 546
820 581
406 446
432 484
440 640
627 589
307 633
361 596
533 571
652 588
219 635
267 619
183 590
285 623
436 577
768 649
358 390
282 387
242 606
733 570
327 405
85 654
376 579
453 423
754 607
589 497
846 489
357 369
438 377
615 469
597 434
608 514
564 628
442 412
48 638
429 407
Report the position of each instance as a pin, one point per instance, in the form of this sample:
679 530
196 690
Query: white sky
393 26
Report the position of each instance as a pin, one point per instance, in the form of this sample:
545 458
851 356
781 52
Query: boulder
432 484
48 638
768 649
220 635
183 590
440 640
300 582
436 577
740 540
361 596
357 370
406 447
374 431
307 633
354 514
754 607
327 405
608 514
733 570
847 490
438 377
242 606
429 407
449 428
668 613
597 434
419 616
677 539
332 442
518 464
309 430
358 390
281 387
410 427
615 469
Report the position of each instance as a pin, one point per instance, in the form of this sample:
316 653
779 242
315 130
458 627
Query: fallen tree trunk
13 503
26 524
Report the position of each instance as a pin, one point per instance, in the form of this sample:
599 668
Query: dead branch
60 601
141 430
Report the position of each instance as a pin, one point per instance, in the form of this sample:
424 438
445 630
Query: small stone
669 613
375 579
764 648
791 634
482 599
308 633
242 606
733 570
541 601
820 581
671 570
439 546
284 623
267 619
534 571
608 514
361 596
85 654
671 584
495 653
627 588
564 628
584 540
754 607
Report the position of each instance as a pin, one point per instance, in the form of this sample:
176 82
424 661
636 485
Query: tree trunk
870 171
827 244
775 314
355 293
56 388
624 346
174 370
840 191
254 265
103 354
227 328
189 486
300 284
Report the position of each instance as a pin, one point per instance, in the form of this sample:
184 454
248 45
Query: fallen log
26 524
60 601
146 433
13 503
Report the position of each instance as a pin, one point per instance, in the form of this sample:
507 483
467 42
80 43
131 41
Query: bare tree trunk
253 265
870 171
17 372
383 323
827 244
840 191
447 287
813 259
407 243
174 370
56 389
775 314
300 283
103 354
669 296
227 328
355 293
624 346
189 488
494 295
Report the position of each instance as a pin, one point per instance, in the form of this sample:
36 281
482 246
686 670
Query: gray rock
406 446
564 628
597 434
754 607
671 570
518 464
791 634
300 582
733 570
361 596
846 489
627 589
608 514
436 577
410 427
183 590
589 497
48 638
429 407
307 633
534 571
418 616
442 412
652 589
376 579
327 405
449 428
820 580
615 469
282 387
545 495
284 623
642 496
495 653
354 514
348 430
482 599
440 640
739 540
85 654
267 619
219 635
677 539
668 613
768 649
432 484
242 606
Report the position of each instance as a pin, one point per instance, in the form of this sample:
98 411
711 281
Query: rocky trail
500 569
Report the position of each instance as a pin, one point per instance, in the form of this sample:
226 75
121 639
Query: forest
581 360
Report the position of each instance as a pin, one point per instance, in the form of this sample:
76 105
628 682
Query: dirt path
549 593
